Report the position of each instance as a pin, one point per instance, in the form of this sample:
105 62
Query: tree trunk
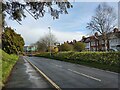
105 45
105 41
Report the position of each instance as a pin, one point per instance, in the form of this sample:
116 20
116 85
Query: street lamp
50 39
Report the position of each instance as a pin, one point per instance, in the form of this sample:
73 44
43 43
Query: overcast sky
67 27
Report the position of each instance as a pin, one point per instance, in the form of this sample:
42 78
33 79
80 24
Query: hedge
110 59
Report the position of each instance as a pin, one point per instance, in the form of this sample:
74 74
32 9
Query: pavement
25 76
69 75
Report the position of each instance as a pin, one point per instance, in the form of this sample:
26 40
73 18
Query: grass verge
7 62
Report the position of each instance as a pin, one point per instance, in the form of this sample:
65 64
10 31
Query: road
69 75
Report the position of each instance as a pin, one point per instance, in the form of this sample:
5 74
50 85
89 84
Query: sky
67 28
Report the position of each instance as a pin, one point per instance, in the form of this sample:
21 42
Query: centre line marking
85 75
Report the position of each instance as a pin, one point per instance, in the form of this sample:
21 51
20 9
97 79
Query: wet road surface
68 75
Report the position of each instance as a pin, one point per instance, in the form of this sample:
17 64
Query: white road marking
44 75
58 66
81 74
99 69
85 75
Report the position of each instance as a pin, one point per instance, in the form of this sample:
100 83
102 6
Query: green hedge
103 60
8 61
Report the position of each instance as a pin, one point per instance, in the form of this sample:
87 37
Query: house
32 48
96 42
114 40
86 40
25 49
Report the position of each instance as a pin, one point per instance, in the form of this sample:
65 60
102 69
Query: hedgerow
108 60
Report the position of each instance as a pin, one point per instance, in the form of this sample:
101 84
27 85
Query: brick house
96 42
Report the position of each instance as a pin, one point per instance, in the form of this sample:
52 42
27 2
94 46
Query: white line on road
99 69
85 75
58 66
44 75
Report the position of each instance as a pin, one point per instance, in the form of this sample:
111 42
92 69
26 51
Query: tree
65 47
12 43
79 46
53 49
16 10
103 21
46 41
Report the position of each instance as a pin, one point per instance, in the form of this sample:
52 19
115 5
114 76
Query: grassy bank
7 62
102 60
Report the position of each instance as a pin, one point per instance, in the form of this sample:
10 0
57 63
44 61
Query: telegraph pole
50 39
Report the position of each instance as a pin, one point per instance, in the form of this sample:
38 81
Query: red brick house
96 42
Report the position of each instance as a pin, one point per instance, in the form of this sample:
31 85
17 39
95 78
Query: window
92 43
102 41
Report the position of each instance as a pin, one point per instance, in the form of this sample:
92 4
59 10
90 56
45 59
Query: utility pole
50 39
119 15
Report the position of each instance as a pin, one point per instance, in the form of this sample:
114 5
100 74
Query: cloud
32 36
68 27
67 36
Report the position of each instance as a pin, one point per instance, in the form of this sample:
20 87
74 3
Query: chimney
115 30
74 41
83 37
96 34
67 41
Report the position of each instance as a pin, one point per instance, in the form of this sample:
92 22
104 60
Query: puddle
30 71
34 77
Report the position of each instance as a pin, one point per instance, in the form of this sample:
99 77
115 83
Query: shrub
66 47
79 46
12 43
53 49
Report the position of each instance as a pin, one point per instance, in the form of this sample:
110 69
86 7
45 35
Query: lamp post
50 39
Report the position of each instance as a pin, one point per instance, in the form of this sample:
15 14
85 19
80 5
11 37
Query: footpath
25 76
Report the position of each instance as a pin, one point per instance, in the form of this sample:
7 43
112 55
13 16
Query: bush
79 46
12 43
53 49
66 47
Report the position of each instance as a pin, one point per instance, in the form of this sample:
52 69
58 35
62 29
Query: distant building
32 48
25 49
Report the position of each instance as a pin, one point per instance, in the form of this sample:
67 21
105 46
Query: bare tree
45 42
103 21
